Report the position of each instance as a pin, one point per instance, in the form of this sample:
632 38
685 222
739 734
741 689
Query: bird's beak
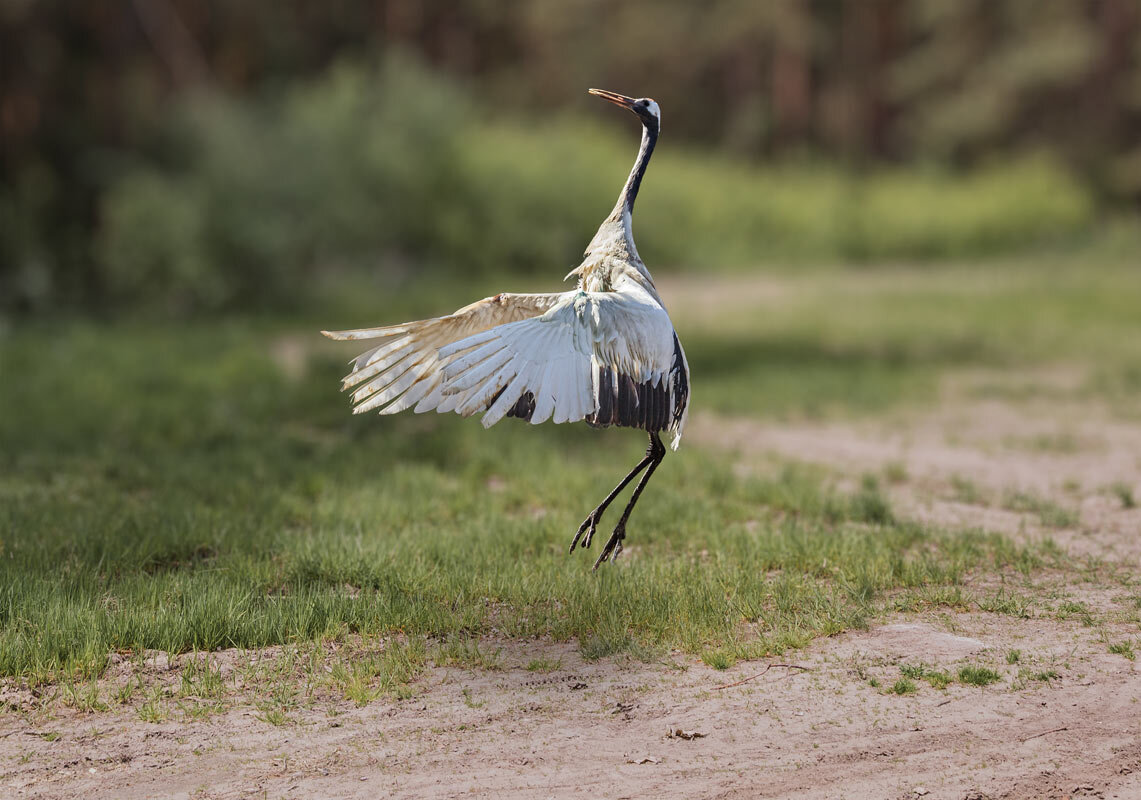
614 97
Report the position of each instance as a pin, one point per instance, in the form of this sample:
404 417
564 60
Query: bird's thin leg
595 516
656 453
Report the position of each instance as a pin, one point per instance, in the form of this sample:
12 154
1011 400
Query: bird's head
646 109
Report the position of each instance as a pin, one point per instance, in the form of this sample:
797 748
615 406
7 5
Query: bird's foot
588 526
613 546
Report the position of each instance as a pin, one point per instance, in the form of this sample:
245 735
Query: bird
605 352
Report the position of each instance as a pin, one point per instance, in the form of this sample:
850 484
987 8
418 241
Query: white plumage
605 352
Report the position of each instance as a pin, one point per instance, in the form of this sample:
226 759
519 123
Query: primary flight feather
605 352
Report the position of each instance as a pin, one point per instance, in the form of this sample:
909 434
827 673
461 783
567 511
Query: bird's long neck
613 244
630 191
616 233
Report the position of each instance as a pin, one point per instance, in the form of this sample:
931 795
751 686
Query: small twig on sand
762 672
26 732
1043 733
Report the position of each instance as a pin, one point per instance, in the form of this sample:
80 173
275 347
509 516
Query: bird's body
605 352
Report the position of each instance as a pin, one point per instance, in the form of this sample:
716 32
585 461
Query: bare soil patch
611 729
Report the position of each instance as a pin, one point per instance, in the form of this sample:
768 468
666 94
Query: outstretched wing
404 368
605 357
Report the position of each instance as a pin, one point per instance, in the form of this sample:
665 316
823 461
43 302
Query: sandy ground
813 726
612 730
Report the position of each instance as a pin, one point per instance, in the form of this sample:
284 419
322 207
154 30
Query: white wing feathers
556 357
404 369
492 354
548 356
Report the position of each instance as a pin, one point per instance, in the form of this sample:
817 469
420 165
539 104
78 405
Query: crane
605 352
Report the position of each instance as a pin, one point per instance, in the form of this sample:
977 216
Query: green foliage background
183 156
390 169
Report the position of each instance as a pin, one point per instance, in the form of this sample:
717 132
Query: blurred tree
85 88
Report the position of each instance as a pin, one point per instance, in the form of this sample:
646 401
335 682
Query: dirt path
590 730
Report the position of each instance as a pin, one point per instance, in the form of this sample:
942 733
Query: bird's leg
656 452
595 516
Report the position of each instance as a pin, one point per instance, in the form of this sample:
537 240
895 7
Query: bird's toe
588 526
613 546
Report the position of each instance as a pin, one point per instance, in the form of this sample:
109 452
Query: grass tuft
85 698
1050 514
1003 602
718 659
1124 493
1123 649
937 679
895 472
966 491
465 652
1070 609
154 709
544 665
974 675
903 686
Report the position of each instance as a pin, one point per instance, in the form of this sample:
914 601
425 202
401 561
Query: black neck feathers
634 182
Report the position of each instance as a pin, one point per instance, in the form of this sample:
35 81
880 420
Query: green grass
903 686
1123 649
199 678
966 491
895 472
938 679
179 490
154 708
84 697
377 671
544 665
202 487
860 342
1070 609
465 652
1050 514
1004 602
1124 494
974 675
718 659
